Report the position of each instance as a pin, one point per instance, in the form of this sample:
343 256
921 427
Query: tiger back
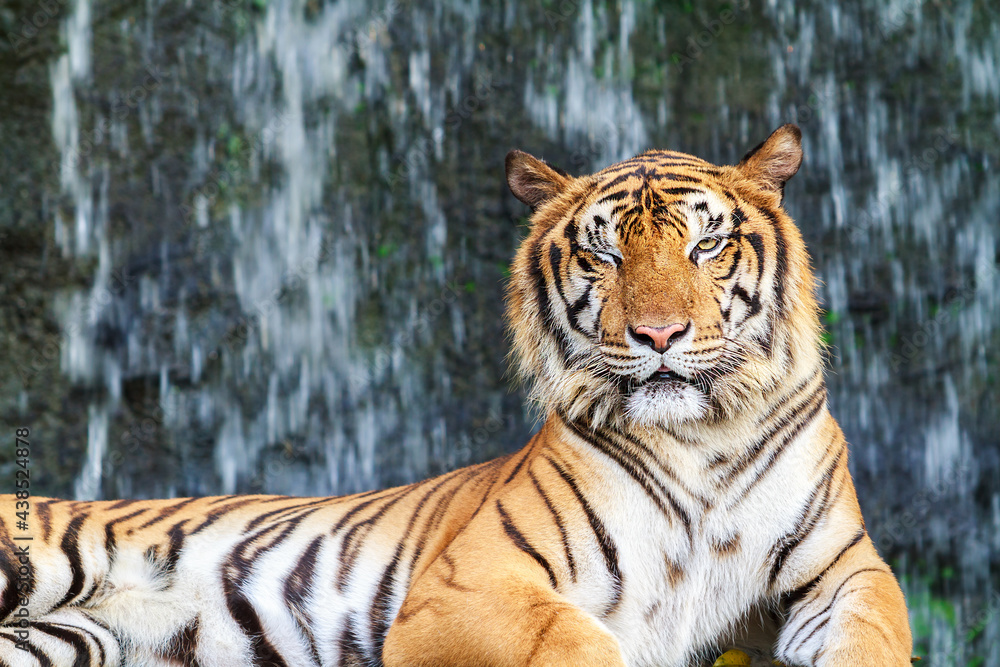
688 492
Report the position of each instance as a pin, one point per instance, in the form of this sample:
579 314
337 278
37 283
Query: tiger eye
708 244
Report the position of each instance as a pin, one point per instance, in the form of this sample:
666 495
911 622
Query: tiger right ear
532 180
775 160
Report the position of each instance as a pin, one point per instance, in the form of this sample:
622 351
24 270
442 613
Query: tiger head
662 290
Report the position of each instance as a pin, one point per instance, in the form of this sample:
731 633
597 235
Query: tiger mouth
663 378
664 375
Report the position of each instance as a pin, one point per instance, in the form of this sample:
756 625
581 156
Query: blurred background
261 245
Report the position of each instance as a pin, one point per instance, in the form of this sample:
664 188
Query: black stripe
555 262
781 259
786 439
352 654
806 522
609 437
444 502
752 302
660 465
570 232
43 660
217 514
623 357
286 509
636 469
618 180
573 311
546 312
80 644
102 626
379 620
527 453
559 524
165 513
738 217
521 543
176 543
97 640
819 626
827 608
494 467
755 450
604 541
737 256
802 591
70 546
246 617
441 508
85 598
298 584
44 514
615 196
766 340
674 176
349 514
588 269
631 465
110 541
774 410
353 540
756 242
238 568
297 589
182 647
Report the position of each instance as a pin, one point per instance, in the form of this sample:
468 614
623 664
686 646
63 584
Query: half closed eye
710 243
610 257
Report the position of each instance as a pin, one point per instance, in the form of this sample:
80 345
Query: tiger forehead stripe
658 158
642 173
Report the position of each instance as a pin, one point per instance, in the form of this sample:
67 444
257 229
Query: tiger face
662 290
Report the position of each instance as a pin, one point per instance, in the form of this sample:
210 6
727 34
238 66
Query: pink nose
659 338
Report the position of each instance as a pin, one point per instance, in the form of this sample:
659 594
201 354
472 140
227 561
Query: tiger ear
775 160
532 180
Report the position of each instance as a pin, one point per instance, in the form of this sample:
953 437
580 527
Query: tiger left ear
533 181
775 160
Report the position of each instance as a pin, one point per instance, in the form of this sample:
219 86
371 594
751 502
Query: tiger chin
687 494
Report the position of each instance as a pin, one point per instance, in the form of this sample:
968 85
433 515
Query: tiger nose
660 338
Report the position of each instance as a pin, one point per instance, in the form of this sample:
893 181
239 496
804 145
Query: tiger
687 493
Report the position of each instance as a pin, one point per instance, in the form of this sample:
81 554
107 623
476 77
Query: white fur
671 627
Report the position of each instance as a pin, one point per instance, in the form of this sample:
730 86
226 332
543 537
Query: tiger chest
687 585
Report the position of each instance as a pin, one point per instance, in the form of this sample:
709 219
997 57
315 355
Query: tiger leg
451 617
854 615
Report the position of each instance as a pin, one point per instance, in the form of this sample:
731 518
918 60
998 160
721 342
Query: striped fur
681 499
